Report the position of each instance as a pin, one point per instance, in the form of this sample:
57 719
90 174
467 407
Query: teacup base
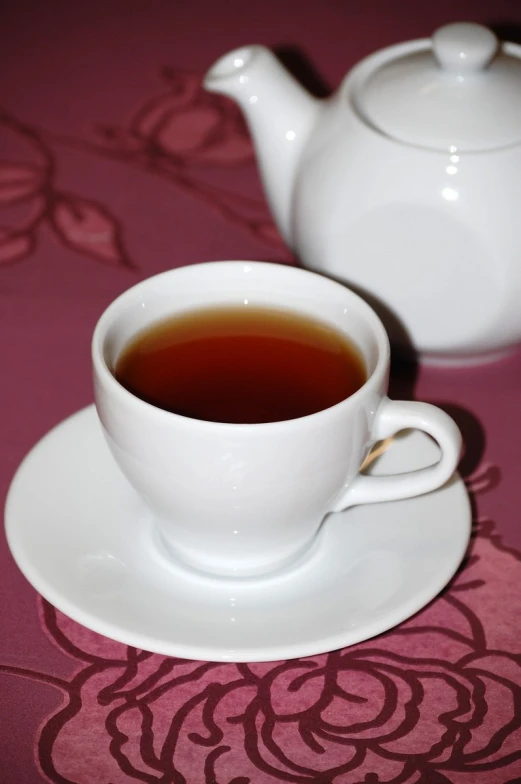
176 558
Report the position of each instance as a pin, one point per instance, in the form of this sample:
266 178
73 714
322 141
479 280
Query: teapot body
405 184
431 238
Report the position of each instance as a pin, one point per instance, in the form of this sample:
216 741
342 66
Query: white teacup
242 500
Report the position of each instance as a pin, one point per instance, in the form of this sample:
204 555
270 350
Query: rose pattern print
179 135
188 125
81 224
436 700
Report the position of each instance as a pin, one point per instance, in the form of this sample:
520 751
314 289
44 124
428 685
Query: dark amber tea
241 365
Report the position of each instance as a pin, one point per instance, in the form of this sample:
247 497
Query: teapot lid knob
464 46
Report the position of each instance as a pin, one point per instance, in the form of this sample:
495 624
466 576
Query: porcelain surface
243 499
82 537
403 184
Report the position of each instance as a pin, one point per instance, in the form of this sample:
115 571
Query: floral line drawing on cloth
177 135
78 223
436 699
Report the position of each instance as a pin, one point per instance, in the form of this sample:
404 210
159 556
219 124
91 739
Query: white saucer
82 538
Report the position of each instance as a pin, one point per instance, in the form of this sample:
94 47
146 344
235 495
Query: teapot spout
280 115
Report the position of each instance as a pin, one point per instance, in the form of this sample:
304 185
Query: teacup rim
104 374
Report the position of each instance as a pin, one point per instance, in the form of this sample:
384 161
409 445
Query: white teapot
405 184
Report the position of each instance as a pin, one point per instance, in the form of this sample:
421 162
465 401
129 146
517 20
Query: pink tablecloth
116 165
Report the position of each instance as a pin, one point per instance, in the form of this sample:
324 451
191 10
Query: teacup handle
391 417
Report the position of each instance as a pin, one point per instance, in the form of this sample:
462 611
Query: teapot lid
462 91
